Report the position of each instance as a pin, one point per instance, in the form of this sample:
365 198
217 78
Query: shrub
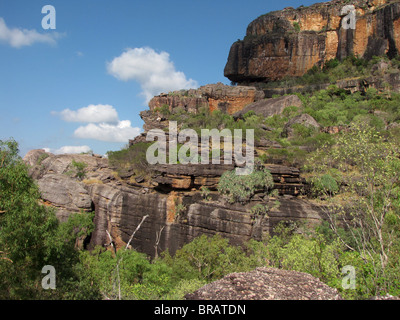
205 193
325 184
242 188
79 168
260 210
41 158
331 64
133 157
296 26
207 259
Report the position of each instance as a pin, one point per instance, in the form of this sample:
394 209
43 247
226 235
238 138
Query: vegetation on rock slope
354 174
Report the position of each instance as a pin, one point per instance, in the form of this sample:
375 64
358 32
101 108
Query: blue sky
83 84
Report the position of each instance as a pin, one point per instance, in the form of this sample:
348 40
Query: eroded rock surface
228 99
270 107
266 284
291 41
173 202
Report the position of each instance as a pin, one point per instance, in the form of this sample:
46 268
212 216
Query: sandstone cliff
120 205
291 41
228 99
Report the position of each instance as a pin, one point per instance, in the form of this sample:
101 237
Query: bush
79 168
296 26
133 157
242 188
324 185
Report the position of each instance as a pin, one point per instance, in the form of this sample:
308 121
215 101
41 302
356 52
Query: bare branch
111 242
158 238
137 228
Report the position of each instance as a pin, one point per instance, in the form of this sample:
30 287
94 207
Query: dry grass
92 181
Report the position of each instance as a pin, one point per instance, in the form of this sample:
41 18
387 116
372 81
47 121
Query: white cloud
103 123
154 71
121 132
69 150
90 114
18 38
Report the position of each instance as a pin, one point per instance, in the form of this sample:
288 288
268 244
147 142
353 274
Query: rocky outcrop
177 210
303 119
58 185
270 107
384 77
266 284
65 194
291 41
228 99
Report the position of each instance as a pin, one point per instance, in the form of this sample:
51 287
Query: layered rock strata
291 41
228 99
177 211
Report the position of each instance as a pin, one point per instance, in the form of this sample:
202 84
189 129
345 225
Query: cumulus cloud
90 114
69 150
120 132
103 123
18 38
155 72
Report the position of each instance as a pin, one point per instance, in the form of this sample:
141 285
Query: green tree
79 168
368 204
242 188
31 236
207 259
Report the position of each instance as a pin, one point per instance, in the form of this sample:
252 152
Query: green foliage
41 158
324 185
205 193
335 70
180 209
31 236
322 254
259 210
79 168
368 204
133 157
208 259
296 26
163 110
126 275
290 112
184 287
239 188
331 64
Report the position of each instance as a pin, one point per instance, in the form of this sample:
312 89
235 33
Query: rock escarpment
291 41
176 209
228 99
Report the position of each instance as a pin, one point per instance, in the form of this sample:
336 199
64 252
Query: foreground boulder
266 284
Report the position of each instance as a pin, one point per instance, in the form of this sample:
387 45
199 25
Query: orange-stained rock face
274 47
396 33
172 201
228 99
332 41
